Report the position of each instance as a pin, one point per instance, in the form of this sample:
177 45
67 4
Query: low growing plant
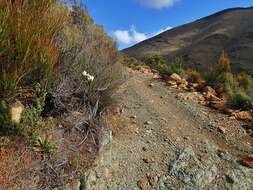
157 62
177 67
44 146
194 76
241 100
245 81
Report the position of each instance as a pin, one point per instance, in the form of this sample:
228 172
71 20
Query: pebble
151 85
178 139
222 129
148 123
148 160
133 117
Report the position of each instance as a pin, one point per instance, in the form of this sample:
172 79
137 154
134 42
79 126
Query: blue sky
131 21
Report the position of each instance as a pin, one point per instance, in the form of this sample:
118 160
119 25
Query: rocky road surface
161 143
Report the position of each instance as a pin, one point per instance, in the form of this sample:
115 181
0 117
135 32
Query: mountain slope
199 43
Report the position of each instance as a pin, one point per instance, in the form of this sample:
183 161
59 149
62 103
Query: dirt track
151 131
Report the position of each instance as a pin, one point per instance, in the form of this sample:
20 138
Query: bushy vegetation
177 67
157 62
219 74
86 47
241 99
245 81
194 76
129 61
238 87
27 50
43 40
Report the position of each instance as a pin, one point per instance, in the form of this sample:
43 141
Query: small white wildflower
91 78
84 73
88 76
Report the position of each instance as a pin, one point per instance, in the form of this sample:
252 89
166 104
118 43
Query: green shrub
129 61
157 62
164 70
27 50
177 67
44 146
228 80
245 80
241 100
32 112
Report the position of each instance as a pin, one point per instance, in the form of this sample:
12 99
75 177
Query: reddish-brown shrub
194 76
27 49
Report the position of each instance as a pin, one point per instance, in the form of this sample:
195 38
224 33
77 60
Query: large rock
209 91
247 161
16 111
175 77
213 98
243 115
172 83
183 86
191 172
219 105
185 82
219 89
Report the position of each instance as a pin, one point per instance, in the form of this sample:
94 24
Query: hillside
199 43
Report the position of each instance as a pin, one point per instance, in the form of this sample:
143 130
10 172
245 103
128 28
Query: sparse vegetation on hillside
157 62
238 87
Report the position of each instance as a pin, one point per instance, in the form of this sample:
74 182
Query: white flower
84 73
91 78
88 76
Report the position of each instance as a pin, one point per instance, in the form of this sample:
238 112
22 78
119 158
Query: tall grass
28 53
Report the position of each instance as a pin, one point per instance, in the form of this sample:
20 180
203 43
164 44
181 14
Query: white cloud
161 31
129 36
132 36
123 36
157 4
